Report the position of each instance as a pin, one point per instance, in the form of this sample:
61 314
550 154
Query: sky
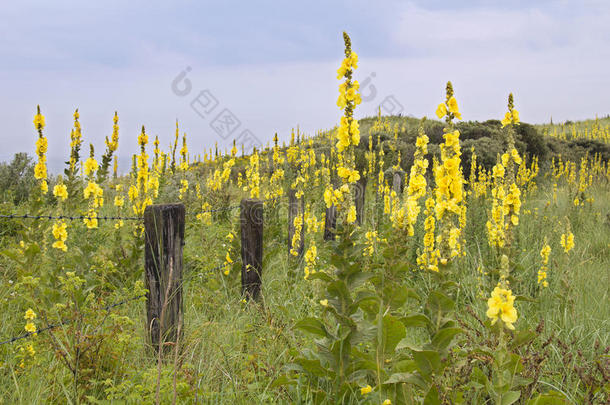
245 70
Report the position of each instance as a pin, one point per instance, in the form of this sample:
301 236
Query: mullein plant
139 194
348 133
183 166
60 233
76 140
92 193
40 170
405 216
450 208
511 203
277 176
172 148
112 145
253 177
355 319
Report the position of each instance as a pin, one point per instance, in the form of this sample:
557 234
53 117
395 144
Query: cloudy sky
270 66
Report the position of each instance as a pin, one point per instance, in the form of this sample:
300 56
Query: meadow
474 270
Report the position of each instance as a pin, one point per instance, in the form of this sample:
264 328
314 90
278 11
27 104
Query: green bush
17 178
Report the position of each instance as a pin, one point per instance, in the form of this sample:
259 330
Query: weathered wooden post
397 182
293 211
330 223
251 219
360 192
164 238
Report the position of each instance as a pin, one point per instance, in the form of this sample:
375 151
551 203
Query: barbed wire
69 217
117 218
229 208
66 322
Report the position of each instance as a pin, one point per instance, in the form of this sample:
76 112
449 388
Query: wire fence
115 218
66 322
111 306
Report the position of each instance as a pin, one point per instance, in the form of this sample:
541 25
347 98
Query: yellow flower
228 258
119 201
90 166
61 245
324 303
453 107
441 110
507 119
567 241
500 306
40 170
351 215
39 121
60 191
388 401
366 390
29 314
30 327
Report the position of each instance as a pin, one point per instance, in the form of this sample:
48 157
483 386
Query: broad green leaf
417 320
338 289
282 380
401 378
438 305
312 325
312 366
432 397
521 338
525 298
549 398
428 361
510 397
393 331
355 280
442 339
320 275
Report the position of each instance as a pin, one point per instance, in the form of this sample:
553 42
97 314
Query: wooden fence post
251 220
330 222
293 211
397 182
164 238
360 190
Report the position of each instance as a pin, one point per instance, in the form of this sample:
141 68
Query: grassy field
470 266
233 352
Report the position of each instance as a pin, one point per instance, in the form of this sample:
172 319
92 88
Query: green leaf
521 338
438 305
312 366
355 280
510 397
417 320
478 377
525 298
442 339
282 380
401 378
362 297
432 397
393 331
428 361
320 275
312 325
549 398
395 294
338 289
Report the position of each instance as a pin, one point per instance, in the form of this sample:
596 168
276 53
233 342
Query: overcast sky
272 65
